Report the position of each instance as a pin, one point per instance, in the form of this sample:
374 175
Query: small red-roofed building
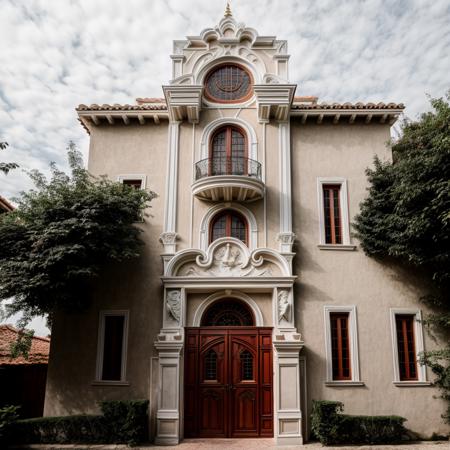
22 380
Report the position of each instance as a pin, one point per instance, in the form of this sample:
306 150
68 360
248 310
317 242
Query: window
246 366
211 365
407 340
229 224
137 184
134 180
228 83
341 337
228 313
112 346
334 229
332 213
406 347
228 152
340 346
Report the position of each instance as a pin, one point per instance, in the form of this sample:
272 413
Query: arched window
228 83
228 153
229 223
228 312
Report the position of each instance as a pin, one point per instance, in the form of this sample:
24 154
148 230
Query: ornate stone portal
228 266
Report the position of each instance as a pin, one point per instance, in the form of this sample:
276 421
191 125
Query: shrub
333 428
325 420
129 419
8 415
122 422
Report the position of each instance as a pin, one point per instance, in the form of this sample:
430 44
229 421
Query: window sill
344 383
342 247
411 383
110 383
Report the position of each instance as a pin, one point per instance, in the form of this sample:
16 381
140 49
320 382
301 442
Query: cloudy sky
55 54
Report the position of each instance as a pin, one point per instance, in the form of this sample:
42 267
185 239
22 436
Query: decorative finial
228 11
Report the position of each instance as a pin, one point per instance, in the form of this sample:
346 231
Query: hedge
121 422
330 427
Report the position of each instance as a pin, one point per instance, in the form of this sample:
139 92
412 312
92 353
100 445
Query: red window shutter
332 213
407 358
340 346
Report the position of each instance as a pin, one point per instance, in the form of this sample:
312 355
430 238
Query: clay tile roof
348 105
5 205
40 348
141 100
116 107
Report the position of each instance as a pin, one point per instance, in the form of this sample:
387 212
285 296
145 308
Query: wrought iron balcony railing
234 165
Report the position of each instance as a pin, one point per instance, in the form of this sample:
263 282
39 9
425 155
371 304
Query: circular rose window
228 83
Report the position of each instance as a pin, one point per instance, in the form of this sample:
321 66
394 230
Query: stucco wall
331 277
133 285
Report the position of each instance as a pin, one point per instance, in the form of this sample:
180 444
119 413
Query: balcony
228 179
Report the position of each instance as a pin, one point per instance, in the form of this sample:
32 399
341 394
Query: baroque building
251 297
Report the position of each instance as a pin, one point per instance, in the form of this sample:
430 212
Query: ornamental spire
228 11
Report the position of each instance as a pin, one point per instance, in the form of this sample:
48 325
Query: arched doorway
228 374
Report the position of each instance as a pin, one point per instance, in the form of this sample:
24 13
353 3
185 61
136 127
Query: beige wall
324 277
343 278
133 285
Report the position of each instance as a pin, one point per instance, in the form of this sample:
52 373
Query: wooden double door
228 382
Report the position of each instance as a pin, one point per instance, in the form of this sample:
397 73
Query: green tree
406 217
54 244
6 167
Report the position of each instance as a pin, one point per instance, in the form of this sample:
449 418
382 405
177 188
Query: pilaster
169 236
288 414
286 237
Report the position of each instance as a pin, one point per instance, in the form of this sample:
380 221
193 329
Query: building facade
251 297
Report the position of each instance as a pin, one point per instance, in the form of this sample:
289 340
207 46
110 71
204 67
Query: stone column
168 414
288 414
170 389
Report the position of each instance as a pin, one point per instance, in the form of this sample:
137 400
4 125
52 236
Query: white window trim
343 200
100 347
418 342
133 176
353 335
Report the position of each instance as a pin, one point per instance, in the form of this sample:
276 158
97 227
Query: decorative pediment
228 257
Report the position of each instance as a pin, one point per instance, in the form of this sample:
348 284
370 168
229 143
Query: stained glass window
228 83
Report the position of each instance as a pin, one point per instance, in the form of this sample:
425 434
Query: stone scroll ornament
173 304
283 306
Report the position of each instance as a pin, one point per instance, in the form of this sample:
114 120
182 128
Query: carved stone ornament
286 238
168 238
228 257
173 304
284 306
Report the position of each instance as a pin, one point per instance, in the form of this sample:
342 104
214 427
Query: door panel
228 382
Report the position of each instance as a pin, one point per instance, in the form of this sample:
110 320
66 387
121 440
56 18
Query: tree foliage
406 216
6 167
54 244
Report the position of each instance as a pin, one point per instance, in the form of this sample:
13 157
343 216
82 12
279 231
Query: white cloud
57 54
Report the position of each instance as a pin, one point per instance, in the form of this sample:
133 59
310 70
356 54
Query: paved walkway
248 444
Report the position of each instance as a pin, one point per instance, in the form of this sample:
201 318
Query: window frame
133 176
355 379
418 345
229 213
211 98
344 210
101 343
228 128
